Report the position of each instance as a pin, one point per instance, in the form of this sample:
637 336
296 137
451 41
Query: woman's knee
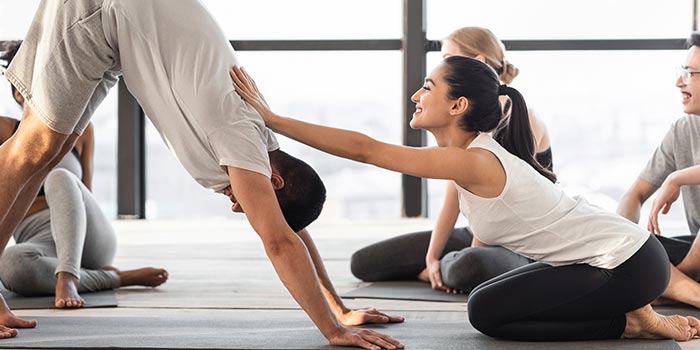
480 312
19 270
362 266
464 269
59 179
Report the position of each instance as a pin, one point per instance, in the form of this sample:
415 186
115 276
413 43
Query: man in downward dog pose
174 59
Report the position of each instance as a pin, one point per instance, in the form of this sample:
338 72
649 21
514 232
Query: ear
277 181
19 98
459 106
480 58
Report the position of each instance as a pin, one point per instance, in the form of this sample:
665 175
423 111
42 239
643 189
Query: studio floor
218 268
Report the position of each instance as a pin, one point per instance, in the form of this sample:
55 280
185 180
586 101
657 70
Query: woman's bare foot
645 323
423 275
147 276
67 296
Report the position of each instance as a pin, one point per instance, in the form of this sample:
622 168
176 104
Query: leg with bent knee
25 160
465 269
579 302
402 257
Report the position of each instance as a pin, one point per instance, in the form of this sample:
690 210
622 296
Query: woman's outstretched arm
448 163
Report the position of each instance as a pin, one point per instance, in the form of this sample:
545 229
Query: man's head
302 194
300 191
688 76
7 53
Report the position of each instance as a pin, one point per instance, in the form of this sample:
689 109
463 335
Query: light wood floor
221 266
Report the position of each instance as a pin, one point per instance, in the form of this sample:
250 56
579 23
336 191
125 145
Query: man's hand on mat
8 321
367 316
364 338
668 193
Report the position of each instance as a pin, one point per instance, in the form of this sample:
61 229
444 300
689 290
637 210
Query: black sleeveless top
74 151
545 159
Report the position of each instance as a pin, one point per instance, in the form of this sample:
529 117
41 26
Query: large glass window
308 19
547 19
354 90
15 18
606 112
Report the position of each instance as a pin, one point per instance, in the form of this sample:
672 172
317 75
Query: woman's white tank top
533 217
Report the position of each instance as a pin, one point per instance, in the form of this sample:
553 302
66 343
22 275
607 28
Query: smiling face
690 91
433 103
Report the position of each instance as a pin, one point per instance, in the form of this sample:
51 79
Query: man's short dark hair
693 40
8 51
303 194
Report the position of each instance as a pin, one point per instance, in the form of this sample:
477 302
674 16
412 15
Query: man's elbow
278 247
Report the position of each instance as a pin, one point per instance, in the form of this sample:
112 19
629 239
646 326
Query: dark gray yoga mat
15 301
404 290
248 331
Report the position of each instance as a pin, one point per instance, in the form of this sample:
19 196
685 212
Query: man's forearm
629 209
686 177
295 269
334 301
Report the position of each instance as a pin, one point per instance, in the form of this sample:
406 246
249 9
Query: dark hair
693 40
478 83
303 194
8 50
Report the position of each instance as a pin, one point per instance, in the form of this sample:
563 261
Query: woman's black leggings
539 302
462 267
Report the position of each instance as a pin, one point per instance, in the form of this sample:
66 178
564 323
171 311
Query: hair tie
502 89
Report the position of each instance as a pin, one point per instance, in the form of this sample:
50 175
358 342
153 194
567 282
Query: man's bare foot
67 296
147 276
645 323
9 322
423 275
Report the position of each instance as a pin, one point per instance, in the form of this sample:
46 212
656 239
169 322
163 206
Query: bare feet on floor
645 323
67 296
147 276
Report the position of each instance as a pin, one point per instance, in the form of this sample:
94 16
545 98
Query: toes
60 303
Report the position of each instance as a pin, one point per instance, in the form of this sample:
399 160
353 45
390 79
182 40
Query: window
547 19
308 19
354 90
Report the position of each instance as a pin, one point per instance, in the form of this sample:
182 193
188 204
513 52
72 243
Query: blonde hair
474 41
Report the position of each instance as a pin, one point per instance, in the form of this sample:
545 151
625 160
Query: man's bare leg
28 194
29 151
690 265
682 288
24 155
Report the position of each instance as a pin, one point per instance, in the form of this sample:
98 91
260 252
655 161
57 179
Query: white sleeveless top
535 218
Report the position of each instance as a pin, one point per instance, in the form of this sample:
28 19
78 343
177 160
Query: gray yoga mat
404 290
92 300
258 332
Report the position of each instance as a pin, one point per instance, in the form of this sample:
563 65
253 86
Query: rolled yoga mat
404 290
267 330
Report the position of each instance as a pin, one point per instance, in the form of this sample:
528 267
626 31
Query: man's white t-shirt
175 60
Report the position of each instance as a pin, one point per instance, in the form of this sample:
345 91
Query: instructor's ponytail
515 133
478 82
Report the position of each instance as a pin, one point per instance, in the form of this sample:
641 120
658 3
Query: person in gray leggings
65 245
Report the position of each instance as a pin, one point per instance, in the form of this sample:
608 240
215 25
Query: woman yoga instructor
595 274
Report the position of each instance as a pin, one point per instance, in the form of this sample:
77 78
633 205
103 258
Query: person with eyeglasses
673 169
